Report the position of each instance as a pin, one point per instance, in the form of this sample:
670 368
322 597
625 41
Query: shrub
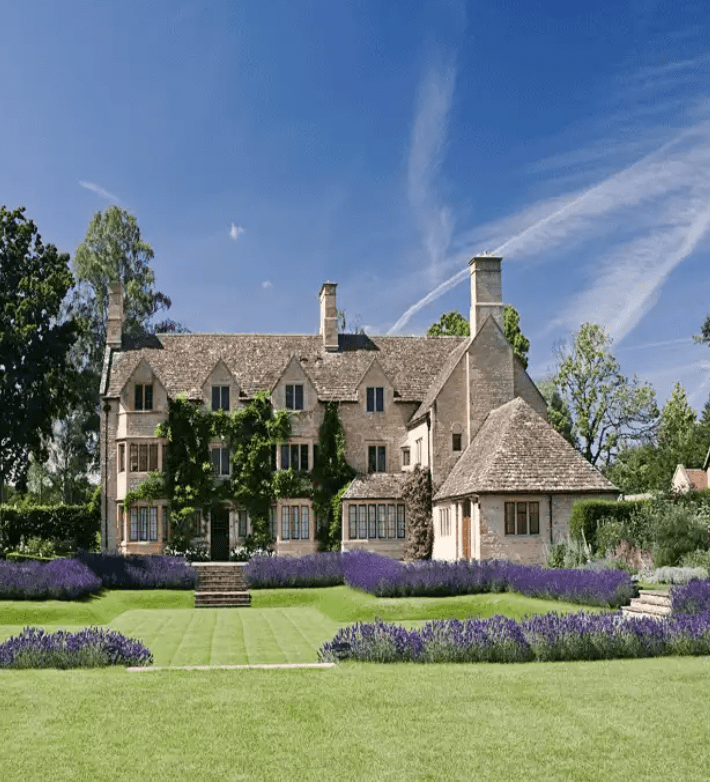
139 572
551 637
88 648
587 516
697 558
678 530
692 598
675 575
312 570
76 523
386 577
60 579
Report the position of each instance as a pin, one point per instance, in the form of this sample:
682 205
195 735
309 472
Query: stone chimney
486 291
114 327
329 317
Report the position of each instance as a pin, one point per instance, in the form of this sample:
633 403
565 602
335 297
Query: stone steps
652 603
221 586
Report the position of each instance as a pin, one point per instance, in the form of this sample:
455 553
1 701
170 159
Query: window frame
377 520
143 397
293 389
376 458
375 399
220 398
521 518
224 459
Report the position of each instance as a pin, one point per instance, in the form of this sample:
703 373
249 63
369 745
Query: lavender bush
139 572
60 579
552 637
89 648
312 570
692 598
386 577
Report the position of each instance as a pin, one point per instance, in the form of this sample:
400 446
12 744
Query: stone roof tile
376 486
183 361
515 450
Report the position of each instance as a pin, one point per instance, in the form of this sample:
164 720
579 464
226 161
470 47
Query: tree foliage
453 324
37 381
558 413
331 474
417 494
608 410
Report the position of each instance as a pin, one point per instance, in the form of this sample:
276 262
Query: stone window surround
445 521
375 399
522 518
376 457
143 397
127 444
296 393
376 520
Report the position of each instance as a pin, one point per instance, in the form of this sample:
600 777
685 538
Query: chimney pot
329 317
486 291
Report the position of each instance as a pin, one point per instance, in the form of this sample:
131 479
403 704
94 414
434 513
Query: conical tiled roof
517 451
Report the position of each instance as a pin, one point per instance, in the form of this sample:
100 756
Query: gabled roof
515 450
377 486
182 361
698 478
435 388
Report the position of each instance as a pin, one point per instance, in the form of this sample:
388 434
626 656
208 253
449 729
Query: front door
219 535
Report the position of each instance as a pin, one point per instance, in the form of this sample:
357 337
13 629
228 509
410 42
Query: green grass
283 625
612 720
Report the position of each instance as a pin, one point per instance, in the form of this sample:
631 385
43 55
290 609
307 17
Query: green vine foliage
417 494
152 488
291 483
331 476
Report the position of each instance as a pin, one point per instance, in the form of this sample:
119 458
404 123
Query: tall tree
558 413
112 251
453 324
609 411
37 380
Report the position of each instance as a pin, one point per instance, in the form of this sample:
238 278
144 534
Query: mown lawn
281 626
612 720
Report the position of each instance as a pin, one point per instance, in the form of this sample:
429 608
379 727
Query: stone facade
403 401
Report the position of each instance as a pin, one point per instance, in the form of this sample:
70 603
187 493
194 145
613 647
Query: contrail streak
463 273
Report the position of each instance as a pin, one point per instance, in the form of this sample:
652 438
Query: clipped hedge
78 523
587 514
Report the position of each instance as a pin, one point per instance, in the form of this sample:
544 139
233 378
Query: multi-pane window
121 457
375 399
377 458
376 521
242 523
143 457
144 524
295 522
522 518
143 399
445 521
220 397
220 461
294 396
294 456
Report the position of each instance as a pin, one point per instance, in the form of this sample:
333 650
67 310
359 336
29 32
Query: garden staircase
651 602
221 585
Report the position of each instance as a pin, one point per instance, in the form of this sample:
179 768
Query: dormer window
375 399
294 396
220 398
143 396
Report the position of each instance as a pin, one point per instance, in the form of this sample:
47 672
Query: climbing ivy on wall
417 495
331 477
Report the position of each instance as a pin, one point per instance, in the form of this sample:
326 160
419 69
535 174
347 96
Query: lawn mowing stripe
228 639
194 648
260 641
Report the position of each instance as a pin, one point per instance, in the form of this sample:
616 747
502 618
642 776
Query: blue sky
266 147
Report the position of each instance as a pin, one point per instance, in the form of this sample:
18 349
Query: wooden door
466 535
219 535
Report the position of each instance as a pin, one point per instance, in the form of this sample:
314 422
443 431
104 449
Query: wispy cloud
100 191
267 284
426 154
236 231
651 215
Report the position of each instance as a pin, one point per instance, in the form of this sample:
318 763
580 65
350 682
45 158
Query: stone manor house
463 407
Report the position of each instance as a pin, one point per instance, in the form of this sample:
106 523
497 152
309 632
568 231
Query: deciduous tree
37 380
609 411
